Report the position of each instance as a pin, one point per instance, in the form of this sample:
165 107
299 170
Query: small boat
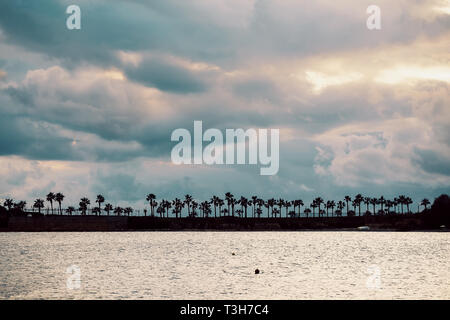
363 228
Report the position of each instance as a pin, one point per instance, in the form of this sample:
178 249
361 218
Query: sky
91 111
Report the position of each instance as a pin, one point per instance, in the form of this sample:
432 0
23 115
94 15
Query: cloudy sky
91 111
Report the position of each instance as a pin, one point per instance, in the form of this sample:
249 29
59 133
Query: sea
222 265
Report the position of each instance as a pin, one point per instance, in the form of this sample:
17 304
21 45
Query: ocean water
201 265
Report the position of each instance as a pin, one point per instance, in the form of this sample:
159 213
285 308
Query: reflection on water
200 265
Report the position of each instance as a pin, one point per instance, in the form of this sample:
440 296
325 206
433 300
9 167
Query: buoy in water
256 271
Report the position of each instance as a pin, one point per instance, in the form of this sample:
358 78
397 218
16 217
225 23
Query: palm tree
275 211
319 201
340 206
118 211
84 203
381 201
254 203
425 202
59 197
307 212
358 199
194 208
50 198
354 204
373 202
220 204
100 199
177 206
151 199
205 207
271 202
298 203
401 200
39 204
367 202
128 211
215 202
96 211
258 212
314 206
188 200
331 204
70 210
389 205
230 201
9 203
244 204
108 208
20 205
287 204
267 205
408 201
160 210
347 200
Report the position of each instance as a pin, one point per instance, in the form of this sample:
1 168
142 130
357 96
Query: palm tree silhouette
307 212
220 204
319 201
298 204
313 205
20 205
347 200
408 201
166 205
177 206
287 204
151 199
358 199
382 201
244 204
215 202
367 202
59 197
9 203
401 200
50 198
254 203
188 200
118 211
425 202
230 202
194 208
389 205
70 210
271 203
84 203
108 208
373 202
100 199
128 211
39 204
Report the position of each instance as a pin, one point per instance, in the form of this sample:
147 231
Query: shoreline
57 223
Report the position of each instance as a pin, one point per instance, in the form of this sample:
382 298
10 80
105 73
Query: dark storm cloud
19 136
270 29
431 161
166 77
